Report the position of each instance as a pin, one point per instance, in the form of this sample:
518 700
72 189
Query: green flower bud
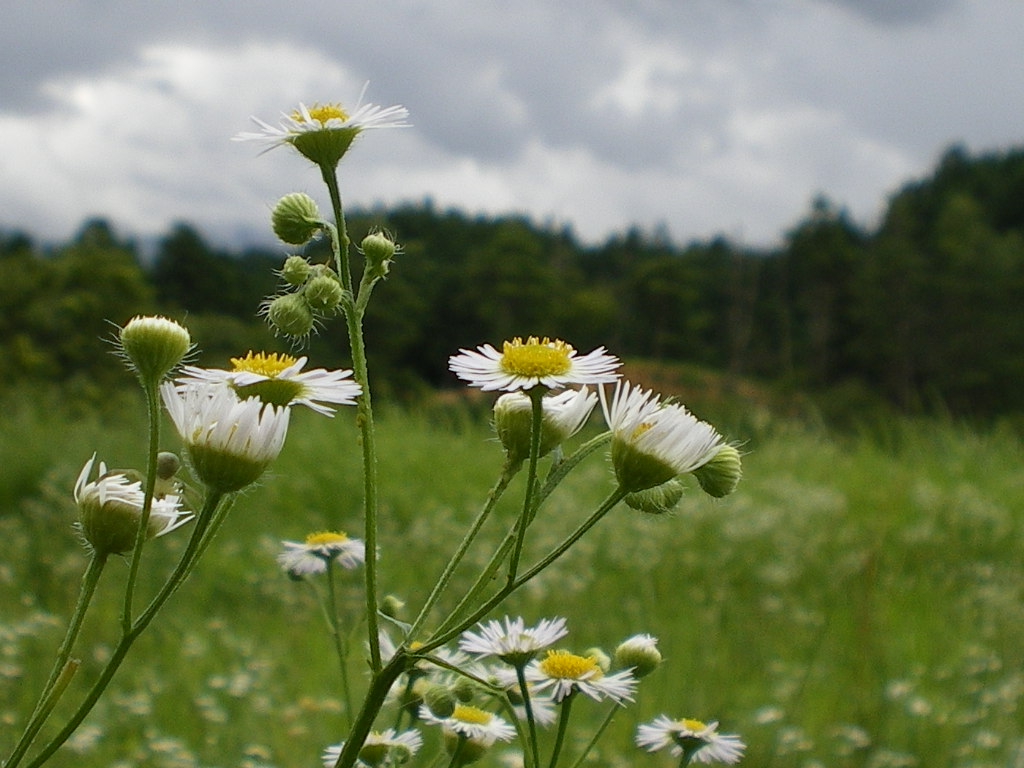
391 606
378 249
639 652
464 690
323 293
720 476
291 315
604 661
373 754
657 500
296 219
153 346
470 750
295 270
439 700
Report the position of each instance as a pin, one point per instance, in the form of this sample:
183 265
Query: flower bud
640 653
323 293
373 754
464 690
439 700
391 606
296 219
720 476
290 315
153 346
562 416
295 270
657 500
378 249
603 660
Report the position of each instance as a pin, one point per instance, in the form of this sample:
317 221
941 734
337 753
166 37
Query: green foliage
856 599
923 312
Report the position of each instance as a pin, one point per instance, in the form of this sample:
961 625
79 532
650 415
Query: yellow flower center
563 664
536 357
468 714
262 363
692 725
322 113
325 537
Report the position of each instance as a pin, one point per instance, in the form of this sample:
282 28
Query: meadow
859 601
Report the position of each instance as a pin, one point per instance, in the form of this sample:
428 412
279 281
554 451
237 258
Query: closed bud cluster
657 500
296 218
323 290
290 315
720 476
296 270
378 249
153 346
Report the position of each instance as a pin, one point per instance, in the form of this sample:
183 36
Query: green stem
364 416
119 653
52 690
341 241
597 736
380 685
563 722
456 761
492 498
526 517
153 411
524 690
340 646
442 637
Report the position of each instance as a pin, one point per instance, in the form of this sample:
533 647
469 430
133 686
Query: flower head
230 442
473 723
313 555
512 641
153 346
380 746
323 133
700 741
566 673
110 509
278 380
639 653
563 415
534 362
652 441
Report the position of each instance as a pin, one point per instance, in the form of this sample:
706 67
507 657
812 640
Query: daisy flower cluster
505 679
234 422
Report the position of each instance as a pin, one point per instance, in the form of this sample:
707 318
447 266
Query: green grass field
858 602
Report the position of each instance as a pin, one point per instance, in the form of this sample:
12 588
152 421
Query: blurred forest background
922 314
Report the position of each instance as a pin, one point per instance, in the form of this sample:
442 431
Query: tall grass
858 602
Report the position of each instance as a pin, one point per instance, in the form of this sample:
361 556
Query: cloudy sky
707 116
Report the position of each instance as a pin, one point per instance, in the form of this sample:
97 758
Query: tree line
924 310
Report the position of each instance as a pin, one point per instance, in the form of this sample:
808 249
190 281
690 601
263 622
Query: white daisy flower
701 741
477 725
380 746
324 132
110 509
534 362
563 415
652 441
278 379
312 555
230 442
564 673
512 641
